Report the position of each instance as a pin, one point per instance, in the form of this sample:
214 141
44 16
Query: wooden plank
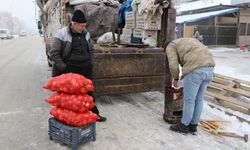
213 89
221 81
238 91
226 104
229 99
233 79
225 82
243 87
228 82
228 93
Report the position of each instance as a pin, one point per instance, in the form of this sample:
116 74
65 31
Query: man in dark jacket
72 51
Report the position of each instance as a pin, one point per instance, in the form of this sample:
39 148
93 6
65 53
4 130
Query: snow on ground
224 49
232 62
233 125
5 41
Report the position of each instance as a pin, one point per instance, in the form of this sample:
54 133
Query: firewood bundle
216 127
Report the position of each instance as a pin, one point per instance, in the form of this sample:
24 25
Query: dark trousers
85 71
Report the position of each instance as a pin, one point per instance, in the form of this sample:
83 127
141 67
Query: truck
120 68
5 34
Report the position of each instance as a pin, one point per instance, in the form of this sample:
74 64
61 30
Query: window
243 27
248 29
3 31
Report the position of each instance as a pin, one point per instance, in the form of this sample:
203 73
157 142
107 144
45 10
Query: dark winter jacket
61 49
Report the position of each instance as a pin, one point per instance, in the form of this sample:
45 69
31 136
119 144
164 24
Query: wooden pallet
227 91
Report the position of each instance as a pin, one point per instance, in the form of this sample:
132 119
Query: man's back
191 54
187 44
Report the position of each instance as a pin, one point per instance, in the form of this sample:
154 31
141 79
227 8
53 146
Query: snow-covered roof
201 4
201 16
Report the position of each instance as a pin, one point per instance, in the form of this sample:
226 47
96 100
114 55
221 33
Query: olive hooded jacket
190 54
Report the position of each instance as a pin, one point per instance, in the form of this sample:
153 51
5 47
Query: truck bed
128 70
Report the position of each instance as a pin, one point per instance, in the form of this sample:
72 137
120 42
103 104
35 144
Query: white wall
228 20
245 16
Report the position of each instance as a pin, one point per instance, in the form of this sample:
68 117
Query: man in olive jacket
72 51
197 66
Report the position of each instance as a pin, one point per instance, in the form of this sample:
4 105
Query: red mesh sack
73 118
69 83
79 102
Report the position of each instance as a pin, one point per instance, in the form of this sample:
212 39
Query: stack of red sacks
72 104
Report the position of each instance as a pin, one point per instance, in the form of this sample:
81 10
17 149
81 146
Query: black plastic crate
72 136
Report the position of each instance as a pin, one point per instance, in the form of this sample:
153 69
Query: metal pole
238 29
216 34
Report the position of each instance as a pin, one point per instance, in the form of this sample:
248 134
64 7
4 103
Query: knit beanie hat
79 17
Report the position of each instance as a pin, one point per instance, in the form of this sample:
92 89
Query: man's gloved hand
62 67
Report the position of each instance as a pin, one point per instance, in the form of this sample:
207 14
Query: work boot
101 118
179 127
193 129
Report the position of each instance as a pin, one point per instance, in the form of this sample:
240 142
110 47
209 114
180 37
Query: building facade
232 28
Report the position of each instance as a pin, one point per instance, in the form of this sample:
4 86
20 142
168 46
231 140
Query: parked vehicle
22 33
5 34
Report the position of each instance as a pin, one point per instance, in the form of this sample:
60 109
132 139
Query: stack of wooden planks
230 92
212 126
